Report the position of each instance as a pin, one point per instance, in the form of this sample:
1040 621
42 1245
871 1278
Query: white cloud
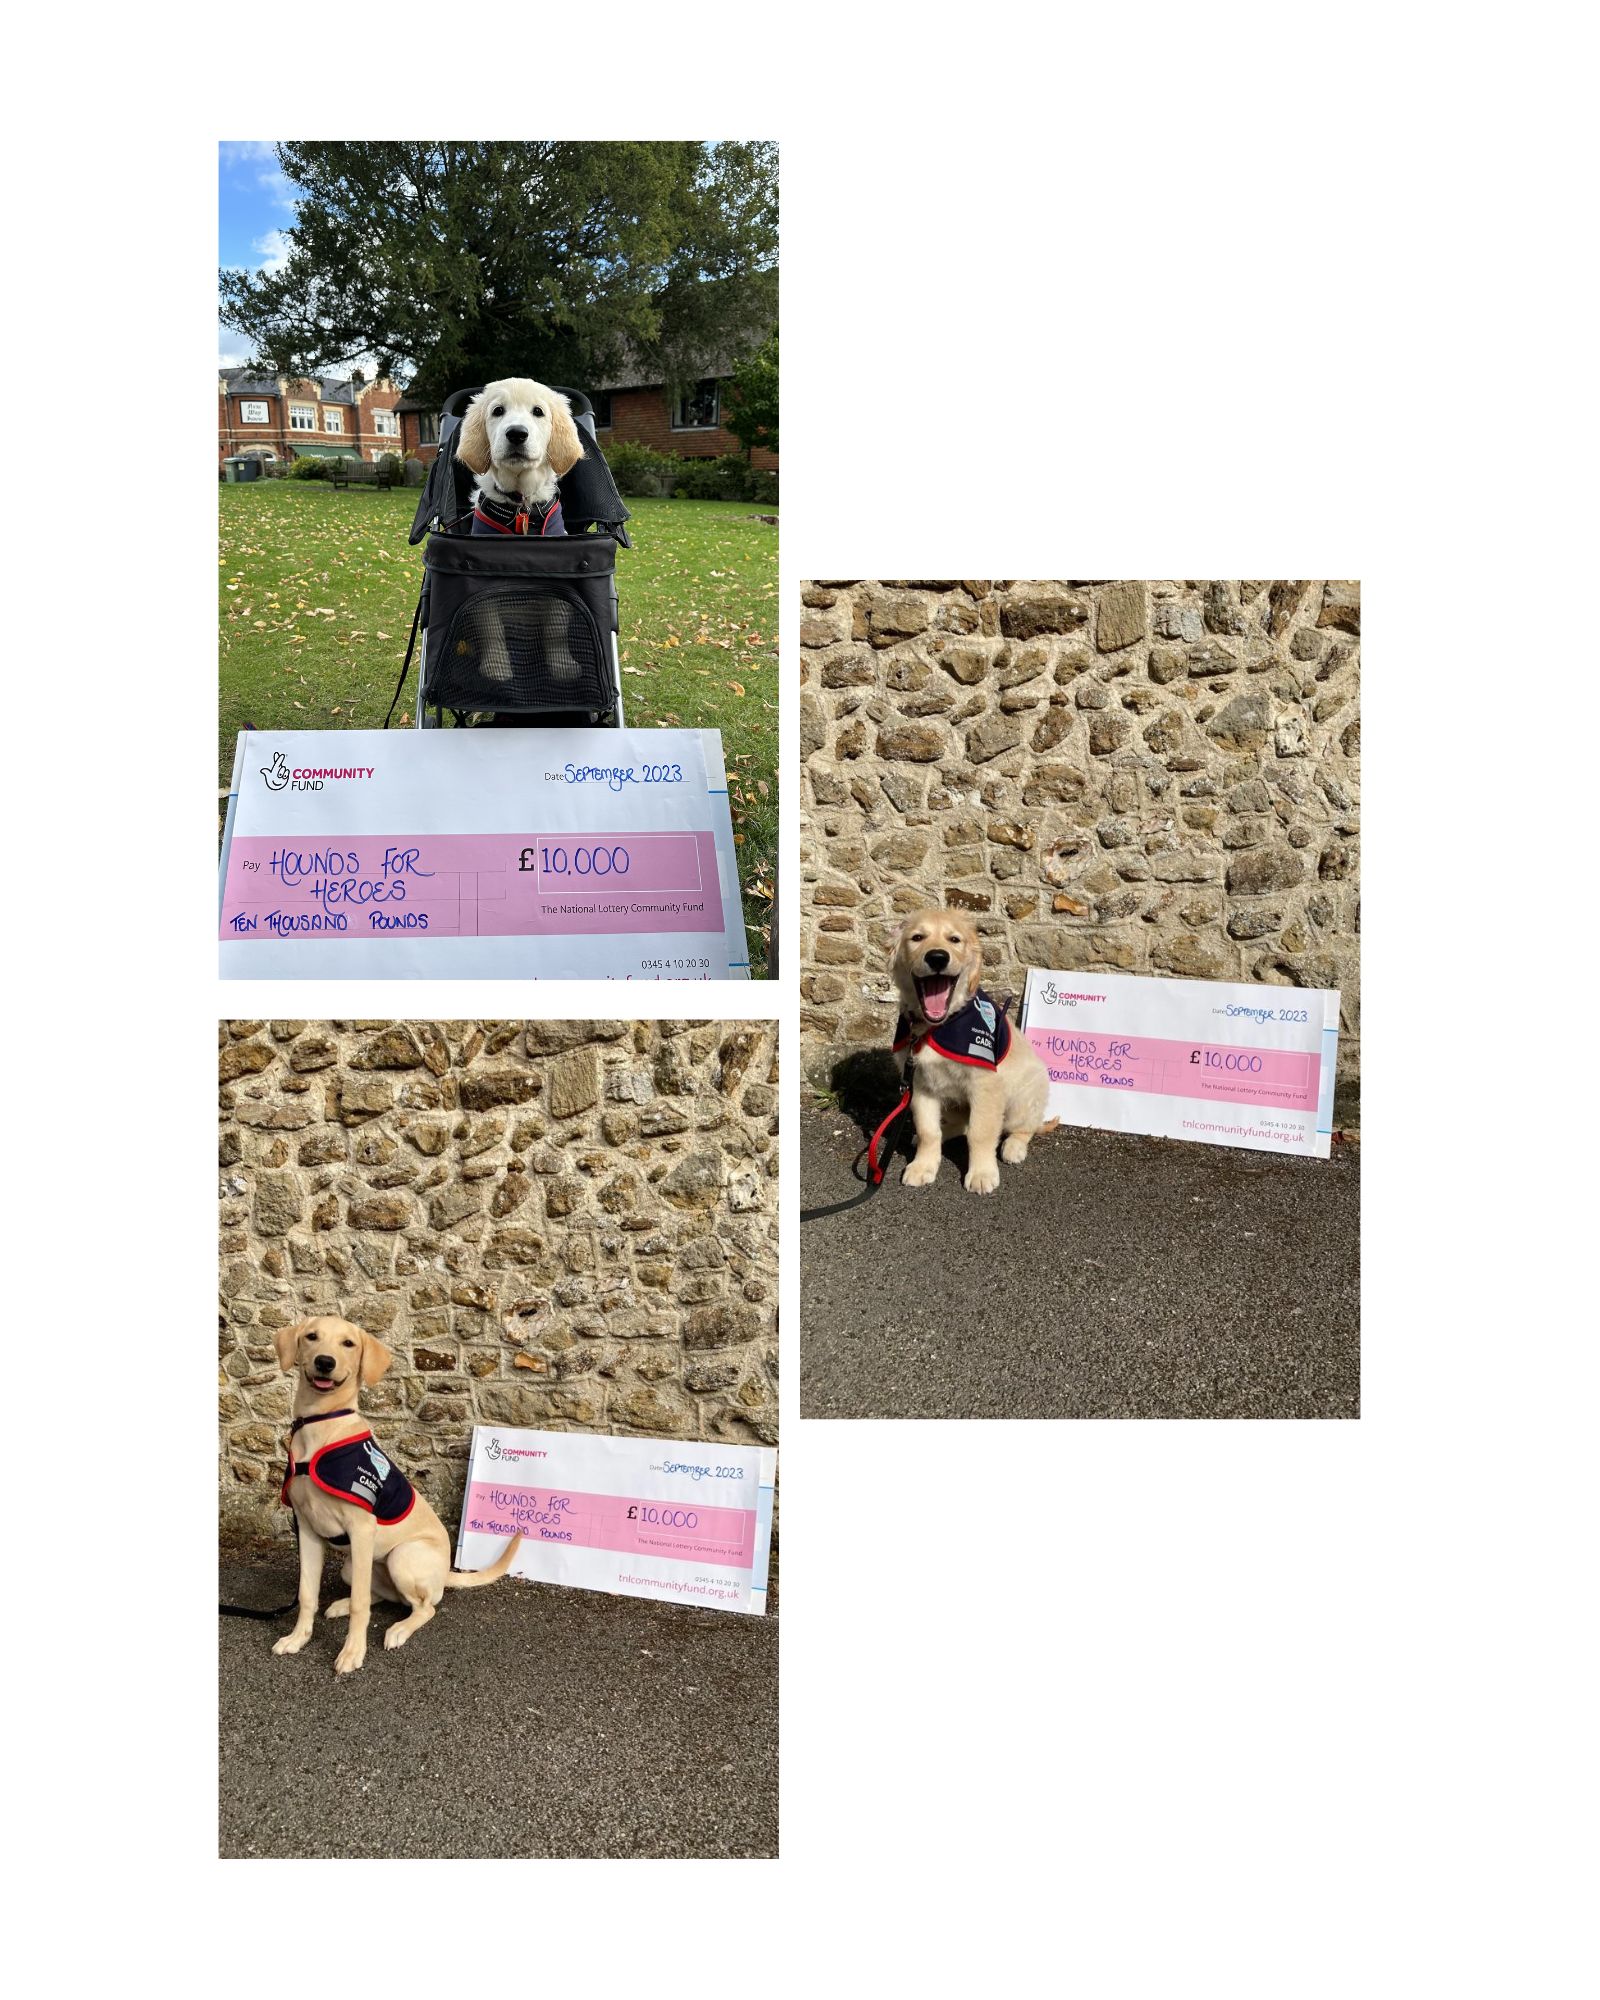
273 250
281 189
257 160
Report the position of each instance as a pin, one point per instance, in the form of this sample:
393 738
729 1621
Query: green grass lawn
317 589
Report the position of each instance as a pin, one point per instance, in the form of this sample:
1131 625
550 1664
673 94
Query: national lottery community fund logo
280 775
494 1449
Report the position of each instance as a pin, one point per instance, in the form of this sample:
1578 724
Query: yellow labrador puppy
343 1489
969 1070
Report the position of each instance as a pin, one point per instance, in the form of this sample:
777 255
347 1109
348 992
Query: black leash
876 1169
249 1611
405 664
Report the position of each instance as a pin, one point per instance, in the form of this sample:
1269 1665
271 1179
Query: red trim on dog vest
388 1486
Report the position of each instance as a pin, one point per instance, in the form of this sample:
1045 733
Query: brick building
319 417
685 424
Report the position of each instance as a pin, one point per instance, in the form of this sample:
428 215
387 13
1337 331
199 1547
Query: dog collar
321 1417
979 1035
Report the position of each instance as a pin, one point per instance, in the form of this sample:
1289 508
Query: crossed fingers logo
276 775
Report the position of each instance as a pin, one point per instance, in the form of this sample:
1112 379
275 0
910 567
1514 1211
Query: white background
1252 1709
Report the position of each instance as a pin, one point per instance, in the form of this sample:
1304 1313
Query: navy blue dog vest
980 1034
517 516
355 1470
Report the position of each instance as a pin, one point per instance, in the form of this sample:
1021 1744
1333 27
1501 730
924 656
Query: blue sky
255 204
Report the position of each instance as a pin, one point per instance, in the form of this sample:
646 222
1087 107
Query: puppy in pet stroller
518 616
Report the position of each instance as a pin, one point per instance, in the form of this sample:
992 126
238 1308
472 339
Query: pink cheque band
723 1537
1286 1078
472 885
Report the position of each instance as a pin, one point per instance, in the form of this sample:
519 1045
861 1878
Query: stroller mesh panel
511 649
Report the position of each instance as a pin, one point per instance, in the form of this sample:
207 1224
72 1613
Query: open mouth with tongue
324 1383
933 994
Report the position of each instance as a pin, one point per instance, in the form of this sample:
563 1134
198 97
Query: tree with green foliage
454 261
753 404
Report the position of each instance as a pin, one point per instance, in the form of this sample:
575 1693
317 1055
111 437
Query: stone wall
568 1225
1124 776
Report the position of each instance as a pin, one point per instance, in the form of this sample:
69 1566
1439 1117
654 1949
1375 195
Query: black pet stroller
516 631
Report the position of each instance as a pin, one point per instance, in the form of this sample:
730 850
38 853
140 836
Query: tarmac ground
527 1720
1110 1276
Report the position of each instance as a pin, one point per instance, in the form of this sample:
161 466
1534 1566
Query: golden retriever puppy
519 437
343 1489
969 1069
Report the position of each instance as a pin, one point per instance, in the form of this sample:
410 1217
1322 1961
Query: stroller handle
456 405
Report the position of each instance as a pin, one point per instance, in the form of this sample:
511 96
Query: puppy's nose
324 1364
937 959
516 435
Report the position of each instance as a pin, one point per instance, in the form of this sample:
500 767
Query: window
427 427
386 423
252 413
602 409
697 408
302 417
333 420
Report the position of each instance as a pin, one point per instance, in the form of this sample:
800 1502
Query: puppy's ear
284 1341
375 1359
566 447
975 966
472 446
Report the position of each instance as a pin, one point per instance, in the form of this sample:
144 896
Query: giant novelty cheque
480 853
1207 1060
685 1522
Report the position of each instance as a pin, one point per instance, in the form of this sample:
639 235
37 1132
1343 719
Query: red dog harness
517 517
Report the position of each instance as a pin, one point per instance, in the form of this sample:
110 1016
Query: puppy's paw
922 1173
350 1657
291 1642
396 1635
340 1608
982 1180
1015 1149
